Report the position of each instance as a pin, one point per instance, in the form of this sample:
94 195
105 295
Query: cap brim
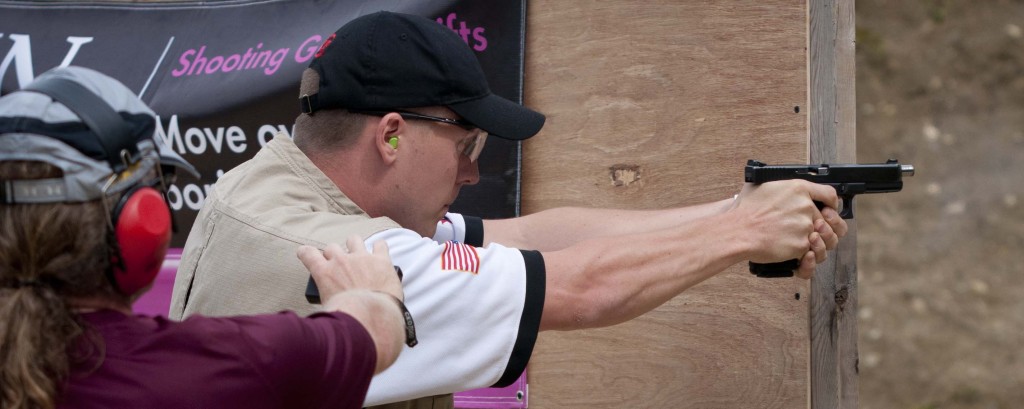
168 157
500 117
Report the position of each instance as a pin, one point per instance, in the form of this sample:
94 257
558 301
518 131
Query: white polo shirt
477 309
476 314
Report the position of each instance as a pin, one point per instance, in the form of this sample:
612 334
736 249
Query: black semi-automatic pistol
848 180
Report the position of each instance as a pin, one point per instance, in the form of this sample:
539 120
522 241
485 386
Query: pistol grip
774 270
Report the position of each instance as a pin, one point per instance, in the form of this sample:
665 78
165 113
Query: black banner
223 77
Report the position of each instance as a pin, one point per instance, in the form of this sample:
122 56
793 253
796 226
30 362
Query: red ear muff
143 230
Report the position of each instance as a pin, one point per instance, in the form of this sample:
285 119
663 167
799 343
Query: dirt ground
940 85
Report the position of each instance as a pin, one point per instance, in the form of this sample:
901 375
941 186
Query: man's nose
469 171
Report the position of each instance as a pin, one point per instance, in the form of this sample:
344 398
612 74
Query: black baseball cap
390 60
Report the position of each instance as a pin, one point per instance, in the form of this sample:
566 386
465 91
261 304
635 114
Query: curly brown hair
49 253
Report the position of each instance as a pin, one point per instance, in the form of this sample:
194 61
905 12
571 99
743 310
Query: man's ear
388 135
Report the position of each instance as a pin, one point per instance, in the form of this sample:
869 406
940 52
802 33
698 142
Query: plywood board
656 104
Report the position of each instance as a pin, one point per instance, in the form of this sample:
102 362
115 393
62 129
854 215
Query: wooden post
832 138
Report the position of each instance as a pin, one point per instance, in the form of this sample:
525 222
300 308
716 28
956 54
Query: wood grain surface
832 129
656 104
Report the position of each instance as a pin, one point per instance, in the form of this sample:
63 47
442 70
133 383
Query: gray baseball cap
36 127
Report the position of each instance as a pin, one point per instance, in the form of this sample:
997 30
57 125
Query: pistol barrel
907 170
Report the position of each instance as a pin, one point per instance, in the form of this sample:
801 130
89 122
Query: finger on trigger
824 194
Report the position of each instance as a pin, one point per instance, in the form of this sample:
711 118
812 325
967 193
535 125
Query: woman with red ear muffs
84 228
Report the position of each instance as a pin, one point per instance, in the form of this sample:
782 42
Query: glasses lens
476 145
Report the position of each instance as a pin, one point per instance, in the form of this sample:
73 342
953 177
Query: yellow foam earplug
393 141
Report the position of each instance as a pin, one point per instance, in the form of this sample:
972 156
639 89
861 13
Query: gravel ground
940 85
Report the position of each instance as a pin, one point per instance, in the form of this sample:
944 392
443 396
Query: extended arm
610 279
559 228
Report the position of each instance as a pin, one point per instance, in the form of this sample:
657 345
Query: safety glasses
476 139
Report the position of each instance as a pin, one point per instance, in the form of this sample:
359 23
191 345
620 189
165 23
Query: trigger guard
847 211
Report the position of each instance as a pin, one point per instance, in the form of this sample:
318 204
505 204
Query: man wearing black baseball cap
387 61
395 110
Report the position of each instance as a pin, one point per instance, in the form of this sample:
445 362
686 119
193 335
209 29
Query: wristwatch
410 326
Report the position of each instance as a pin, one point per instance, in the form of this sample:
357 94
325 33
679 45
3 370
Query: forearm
559 228
381 317
608 280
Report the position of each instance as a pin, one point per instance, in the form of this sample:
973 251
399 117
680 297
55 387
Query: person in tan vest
395 111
